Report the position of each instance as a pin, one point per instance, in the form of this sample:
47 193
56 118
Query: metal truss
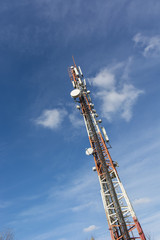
122 220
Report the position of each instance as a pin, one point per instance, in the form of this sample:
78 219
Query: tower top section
76 76
80 91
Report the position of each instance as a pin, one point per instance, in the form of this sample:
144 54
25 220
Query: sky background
48 189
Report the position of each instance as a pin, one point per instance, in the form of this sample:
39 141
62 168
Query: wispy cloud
90 228
151 224
82 207
44 236
149 45
117 96
80 185
66 200
141 201
76 120
5 204
51 118
17 33
30 198
53 234
59 233
68 193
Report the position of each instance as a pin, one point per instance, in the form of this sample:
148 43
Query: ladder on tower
122 220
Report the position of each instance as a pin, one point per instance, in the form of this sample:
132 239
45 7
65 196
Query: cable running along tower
122 220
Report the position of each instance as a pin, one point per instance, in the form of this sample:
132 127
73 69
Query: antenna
122 220
74 61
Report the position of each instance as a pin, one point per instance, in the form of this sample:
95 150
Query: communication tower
122 220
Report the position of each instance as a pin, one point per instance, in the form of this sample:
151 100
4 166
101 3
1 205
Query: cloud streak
67 200
150 45
141 201
75 120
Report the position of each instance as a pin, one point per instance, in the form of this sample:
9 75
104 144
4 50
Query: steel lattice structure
122 220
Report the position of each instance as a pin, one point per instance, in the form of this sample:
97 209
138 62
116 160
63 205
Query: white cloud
141 201
150 45
104 78
90 228
116 95
51 118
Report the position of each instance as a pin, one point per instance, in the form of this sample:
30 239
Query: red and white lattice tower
122 220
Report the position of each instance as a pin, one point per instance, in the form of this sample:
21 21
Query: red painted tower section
122 220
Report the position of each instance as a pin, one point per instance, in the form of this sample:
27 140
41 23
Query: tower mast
122 220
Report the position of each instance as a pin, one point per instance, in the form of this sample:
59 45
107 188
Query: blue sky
48 190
